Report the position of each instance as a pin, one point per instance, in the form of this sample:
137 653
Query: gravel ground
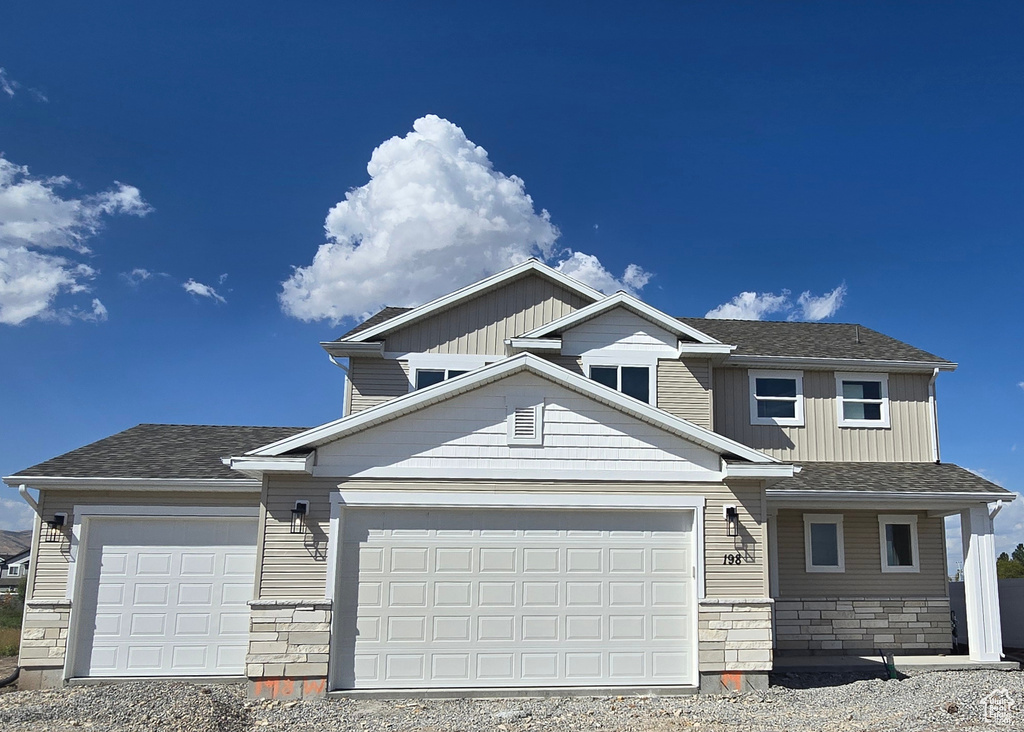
930 701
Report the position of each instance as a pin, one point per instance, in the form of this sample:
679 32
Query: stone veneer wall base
734 644
289 644
44 643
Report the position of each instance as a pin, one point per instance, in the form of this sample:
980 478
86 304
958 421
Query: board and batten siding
469 432
482 324
374 381
684 389
291 568
863 576
50 560
908 439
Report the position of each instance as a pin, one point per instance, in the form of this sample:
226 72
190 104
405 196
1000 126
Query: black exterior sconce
55 527
732 520
299 517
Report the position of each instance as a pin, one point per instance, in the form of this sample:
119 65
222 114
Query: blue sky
721 148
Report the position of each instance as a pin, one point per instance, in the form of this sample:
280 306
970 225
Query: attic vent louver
524 425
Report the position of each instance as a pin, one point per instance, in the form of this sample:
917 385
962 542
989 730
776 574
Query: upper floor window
429 377
14 570
634 381
777 397
862 400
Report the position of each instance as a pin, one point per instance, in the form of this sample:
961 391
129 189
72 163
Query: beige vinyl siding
684 389
375 381
863 576
821 438
51 559
292 567
482 324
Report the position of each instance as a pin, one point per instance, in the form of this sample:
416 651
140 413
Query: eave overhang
256 466
348 349
48 482
866 364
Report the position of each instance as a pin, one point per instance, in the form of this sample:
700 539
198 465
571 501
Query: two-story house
531 485
13 570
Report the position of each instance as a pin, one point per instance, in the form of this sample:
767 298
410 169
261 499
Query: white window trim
627 359
14 570
883 379
444 362
898 518
824 518
797 420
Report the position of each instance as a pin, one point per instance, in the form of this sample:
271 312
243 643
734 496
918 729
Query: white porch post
981 587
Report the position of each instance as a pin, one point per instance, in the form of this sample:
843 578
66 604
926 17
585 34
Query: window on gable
14 571
634 381
823 542
429 377
897 537
862 400
776 397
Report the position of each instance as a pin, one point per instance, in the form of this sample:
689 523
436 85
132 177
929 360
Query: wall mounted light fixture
299 517
732 520
55 527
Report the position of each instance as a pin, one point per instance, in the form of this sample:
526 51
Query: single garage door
499 598
165 597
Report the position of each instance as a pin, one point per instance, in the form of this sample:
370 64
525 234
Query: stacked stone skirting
289 644
44 644
863 623
734 640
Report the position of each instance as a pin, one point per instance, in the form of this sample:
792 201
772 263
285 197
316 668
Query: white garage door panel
516 598
166 597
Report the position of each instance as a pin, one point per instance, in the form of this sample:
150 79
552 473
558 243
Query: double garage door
515 598
165 597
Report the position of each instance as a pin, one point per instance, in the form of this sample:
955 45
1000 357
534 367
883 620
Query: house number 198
733 559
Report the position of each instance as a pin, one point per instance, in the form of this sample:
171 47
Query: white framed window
897 542
635 380
427 369
823 542
862 400
428 377
777 397
14 570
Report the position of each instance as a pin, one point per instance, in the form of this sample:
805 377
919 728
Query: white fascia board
530 265
839 363
800 498
258 465
621 299
705 349
228 485
514 500
534 345
760 470
347 349
523 362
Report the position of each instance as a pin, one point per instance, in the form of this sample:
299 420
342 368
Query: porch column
981 587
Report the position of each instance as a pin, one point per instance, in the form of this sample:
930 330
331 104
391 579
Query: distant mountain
14 542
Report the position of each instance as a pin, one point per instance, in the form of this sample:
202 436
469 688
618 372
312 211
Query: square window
863 400
898 543
607 375
823 543
776 398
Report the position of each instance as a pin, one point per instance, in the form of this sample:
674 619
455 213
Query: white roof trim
869 496
515 500
847 363
254 466
346 349
547 345
524 362
756 470
530 265
144 484
621 299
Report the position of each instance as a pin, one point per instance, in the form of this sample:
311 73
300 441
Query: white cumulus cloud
760 305
201 290
35 220
434 216
15 515
8 85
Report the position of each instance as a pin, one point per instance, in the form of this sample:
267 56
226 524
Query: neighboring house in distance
531 485
13 569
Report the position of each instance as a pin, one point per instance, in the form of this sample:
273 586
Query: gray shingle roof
809 340
874 477
162 451
775 338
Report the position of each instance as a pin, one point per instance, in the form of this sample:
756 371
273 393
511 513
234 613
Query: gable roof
407 316
421 398
376 319
810 340
158 451
627 301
